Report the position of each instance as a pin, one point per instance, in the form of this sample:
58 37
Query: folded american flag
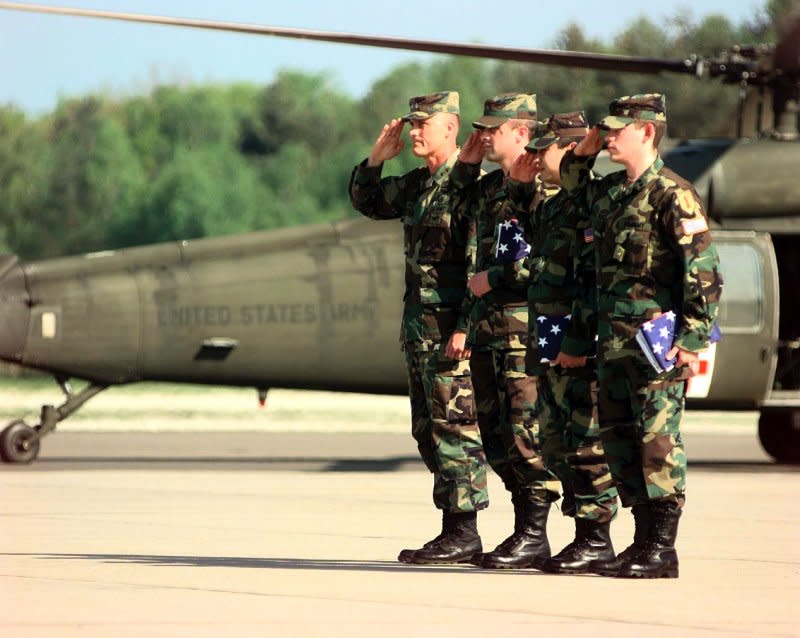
655 338
511 244
549 333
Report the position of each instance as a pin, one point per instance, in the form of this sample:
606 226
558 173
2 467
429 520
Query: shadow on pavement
306 464
297 464
271 563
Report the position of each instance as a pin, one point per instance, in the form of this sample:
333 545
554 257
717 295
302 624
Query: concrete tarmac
248 534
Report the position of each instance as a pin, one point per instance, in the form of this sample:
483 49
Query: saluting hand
591 144
473 150
525 168
389 143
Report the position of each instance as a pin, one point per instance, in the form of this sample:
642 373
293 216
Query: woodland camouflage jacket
499 319
653 253
561 265
437 247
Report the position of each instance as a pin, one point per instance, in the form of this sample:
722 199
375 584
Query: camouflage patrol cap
424 106
500 108
645 107
560 126
541 130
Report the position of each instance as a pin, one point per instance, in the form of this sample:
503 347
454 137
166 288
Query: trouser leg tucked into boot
592 542
526 548
657 557
458 542
641 521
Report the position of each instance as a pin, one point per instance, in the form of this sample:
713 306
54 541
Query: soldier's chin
419 150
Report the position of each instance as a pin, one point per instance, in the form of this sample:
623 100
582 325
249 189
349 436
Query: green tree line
188 162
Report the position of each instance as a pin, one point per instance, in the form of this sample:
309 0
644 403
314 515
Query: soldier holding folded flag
562 330
654 255
505 394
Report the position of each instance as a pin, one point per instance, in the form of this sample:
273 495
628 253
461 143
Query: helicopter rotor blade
597 61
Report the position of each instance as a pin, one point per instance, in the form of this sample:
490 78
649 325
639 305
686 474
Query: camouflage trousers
506 400
443 423
640 431
571 446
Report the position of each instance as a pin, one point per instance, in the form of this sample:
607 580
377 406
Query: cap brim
489 121
541 143
416 116
615 121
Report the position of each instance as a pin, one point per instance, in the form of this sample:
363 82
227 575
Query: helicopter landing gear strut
19 442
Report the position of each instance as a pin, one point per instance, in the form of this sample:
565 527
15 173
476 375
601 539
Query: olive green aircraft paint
319 307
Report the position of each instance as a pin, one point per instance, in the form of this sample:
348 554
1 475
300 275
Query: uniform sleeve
701 285
465 228
577 177
512 275
464 175
375 197
521 195
466 179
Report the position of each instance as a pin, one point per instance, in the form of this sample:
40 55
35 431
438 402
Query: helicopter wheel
18 443
779 433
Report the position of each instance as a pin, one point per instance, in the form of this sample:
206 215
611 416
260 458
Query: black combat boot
657 557
406 555
518 501
641 521
526 548
458 542
592 542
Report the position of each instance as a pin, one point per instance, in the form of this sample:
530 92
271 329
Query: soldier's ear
650 133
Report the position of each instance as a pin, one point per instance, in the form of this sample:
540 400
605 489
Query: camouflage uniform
505 394
653 254
436 304
562 283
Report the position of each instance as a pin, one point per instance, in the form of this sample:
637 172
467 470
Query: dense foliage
187 162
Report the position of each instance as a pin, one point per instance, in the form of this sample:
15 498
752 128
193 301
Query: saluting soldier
562 330
505 394
435 315
654 255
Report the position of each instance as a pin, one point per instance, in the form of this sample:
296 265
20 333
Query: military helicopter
292 308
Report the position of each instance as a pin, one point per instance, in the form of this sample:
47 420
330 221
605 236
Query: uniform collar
624 188
443 172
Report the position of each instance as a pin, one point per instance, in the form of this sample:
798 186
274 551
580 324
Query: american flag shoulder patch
694 225
588 236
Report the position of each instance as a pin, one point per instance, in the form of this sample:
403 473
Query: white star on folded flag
655 338
511 244
553 326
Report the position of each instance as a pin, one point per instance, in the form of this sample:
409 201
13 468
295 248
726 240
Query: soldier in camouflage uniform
505 395
654 254
435 315
562 285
